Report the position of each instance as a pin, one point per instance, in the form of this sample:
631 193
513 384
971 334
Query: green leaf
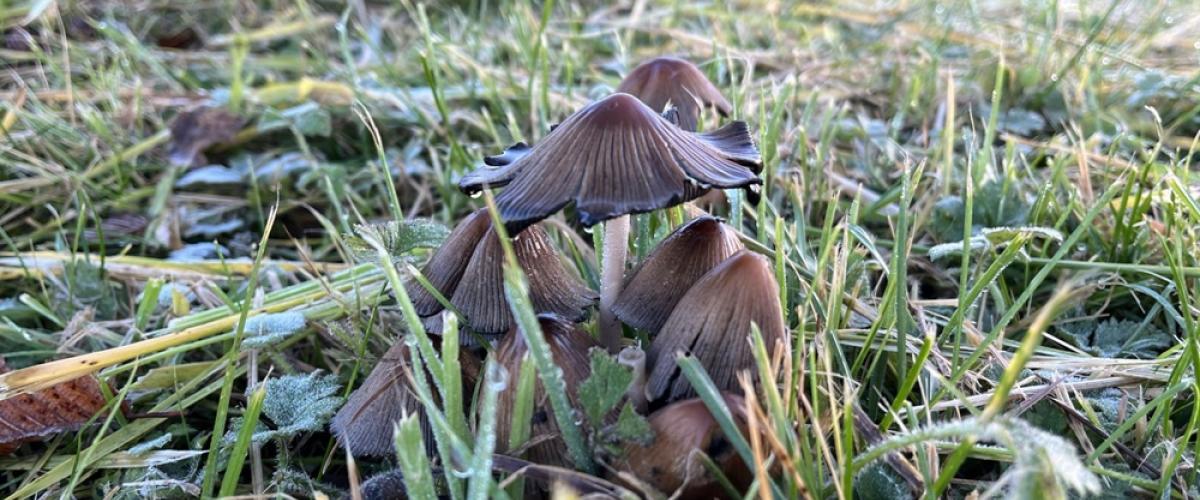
399 238
604 388
294 404
1115 338
633 427
309 119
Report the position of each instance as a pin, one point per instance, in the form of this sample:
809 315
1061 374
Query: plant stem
612 274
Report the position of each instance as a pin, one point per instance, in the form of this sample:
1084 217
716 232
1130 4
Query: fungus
671 81
468 271
712 323
364 424
569 348
682 430
683 257
613 158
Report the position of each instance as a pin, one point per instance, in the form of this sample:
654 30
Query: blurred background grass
1079 117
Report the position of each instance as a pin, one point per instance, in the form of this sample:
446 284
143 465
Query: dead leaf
59 408
194 131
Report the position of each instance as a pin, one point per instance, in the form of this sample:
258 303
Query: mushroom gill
468 271
683 257
614 157
670 463
664 81
569 346
712 323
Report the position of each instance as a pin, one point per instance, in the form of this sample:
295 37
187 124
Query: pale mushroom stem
635 358
612 273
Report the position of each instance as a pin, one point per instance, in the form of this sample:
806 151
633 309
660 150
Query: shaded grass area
978 210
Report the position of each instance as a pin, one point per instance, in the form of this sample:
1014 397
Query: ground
983 215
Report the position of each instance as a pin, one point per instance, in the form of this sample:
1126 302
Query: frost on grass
294 404
270 329
994 237
1044 465
151 444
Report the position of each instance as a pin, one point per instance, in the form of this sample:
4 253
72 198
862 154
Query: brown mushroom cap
614 157
670 80
468 271
683 257
712 323
445 268
569 346
365 423
681 430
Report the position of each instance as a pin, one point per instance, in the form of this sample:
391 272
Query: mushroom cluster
699 293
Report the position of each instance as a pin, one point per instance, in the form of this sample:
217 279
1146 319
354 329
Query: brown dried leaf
195 130
59 408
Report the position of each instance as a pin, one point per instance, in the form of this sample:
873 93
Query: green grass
887 130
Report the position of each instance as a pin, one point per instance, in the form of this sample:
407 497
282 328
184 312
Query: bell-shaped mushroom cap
569 346
683 257
445 268
364 424
670 462
472 279
670 80
712 323
615 157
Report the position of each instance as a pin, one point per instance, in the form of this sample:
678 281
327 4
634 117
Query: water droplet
939 10
1170 20
1105 60
1054 77
497 376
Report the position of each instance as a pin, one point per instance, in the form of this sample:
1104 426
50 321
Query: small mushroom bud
569 348
670 463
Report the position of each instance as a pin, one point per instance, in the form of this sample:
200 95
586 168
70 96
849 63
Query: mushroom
612 158
683 257
569 346
670 463
665 81
364 424
473 251
712 322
